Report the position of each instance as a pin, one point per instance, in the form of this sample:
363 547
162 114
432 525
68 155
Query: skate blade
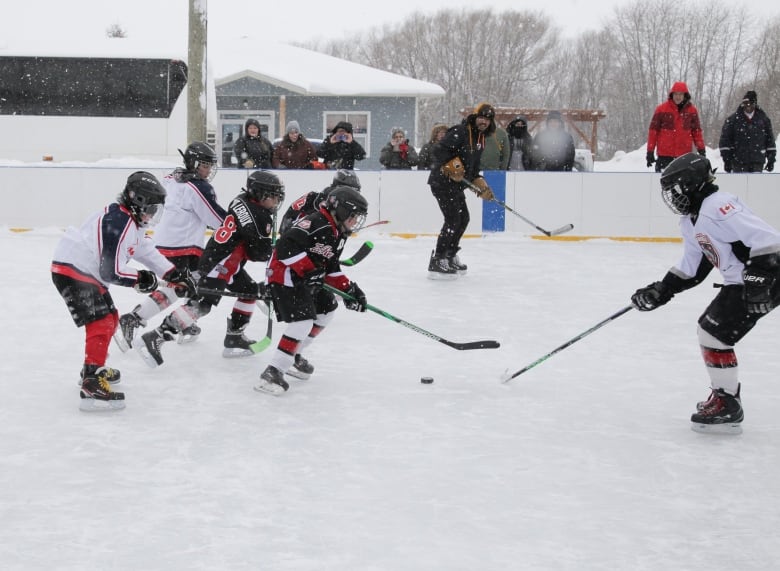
121 342
147 356
725 428
95 405
296 374
437 276
270 388
236 352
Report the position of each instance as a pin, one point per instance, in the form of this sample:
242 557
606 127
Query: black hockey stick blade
506 376
365 249
486 344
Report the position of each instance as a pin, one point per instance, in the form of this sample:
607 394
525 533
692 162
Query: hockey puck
426 380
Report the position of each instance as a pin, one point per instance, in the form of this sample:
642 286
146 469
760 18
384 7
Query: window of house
361 122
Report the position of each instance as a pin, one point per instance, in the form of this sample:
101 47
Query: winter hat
554 115
485 110
347 126
750 97
293 126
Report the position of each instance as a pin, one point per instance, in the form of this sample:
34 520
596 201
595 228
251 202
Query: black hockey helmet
144 196
345 177
264 184
685 183
200 154
345 202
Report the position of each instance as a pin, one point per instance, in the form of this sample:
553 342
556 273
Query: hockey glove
727 166
758 289
652 297
359 302
650 158
770 166
183 282
454 169
485 192
147 282
702 152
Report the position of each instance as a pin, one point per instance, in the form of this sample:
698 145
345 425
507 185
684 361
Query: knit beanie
293 126
750 97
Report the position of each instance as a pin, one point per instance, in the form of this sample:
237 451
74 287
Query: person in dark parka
747 141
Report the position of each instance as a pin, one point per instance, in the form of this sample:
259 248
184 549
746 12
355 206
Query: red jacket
674 132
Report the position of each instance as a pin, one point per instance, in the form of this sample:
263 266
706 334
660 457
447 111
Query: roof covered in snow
308 72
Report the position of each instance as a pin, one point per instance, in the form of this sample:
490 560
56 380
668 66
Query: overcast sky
305 20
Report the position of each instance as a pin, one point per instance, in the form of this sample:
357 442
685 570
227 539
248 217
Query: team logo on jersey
303 224
726 208
324 250
710 252
131 251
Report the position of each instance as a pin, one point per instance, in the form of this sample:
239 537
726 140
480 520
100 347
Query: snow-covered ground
585 462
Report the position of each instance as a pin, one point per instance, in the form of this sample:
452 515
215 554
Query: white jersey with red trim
724 221
190 208
103 247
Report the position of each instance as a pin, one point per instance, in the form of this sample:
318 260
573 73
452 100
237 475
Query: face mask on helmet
261 185
676 198
348 208
200 159
684 183
144 196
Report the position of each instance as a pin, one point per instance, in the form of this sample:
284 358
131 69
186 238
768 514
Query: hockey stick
506 377
265 342
505 206
377 223
487 344
364 250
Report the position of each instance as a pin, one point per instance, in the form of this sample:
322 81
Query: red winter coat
674 132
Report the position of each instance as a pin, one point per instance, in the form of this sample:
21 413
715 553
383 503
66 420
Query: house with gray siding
291 83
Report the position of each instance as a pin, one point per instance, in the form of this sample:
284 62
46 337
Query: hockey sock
289 344
154 303
721 362
322 321
98 337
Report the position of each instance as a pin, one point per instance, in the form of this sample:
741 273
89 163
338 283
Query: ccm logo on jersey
726 208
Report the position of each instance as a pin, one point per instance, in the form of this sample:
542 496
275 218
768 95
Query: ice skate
151 344
188 334
125 333
721 413
301 368
455 263
272 382
96 394
440 269
236 343
701 405
113 376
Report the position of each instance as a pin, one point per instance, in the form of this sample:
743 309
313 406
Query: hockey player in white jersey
191 208
89 259
719 231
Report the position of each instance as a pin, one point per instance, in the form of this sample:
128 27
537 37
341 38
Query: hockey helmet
264 184
144 196
685 183
345 203
199 154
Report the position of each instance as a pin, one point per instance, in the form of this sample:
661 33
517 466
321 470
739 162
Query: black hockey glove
147 281
359 302
183 282
650 158
702 152
758 289
651 297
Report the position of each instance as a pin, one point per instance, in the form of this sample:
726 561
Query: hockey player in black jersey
310 203
305 257
244 236
718 231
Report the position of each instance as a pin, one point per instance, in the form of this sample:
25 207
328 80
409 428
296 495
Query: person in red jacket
675 129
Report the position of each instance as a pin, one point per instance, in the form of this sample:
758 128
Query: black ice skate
188 334
272 382
455 263
96 394
125 333
439 268
301 368
722 413
236 343
113 376
701 405
151 343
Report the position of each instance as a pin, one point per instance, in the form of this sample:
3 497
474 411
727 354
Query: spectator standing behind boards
520 144
425 157
675 129
553 148
398 154
339 150
495 155
294 151
253 151
746 138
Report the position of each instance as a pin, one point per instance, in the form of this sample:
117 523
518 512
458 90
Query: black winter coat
464 141
745 140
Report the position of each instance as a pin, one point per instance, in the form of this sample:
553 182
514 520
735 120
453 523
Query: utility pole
196 64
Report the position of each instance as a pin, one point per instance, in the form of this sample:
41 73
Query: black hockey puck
426 380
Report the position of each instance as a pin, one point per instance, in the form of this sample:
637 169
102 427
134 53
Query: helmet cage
200 155
144 196
345 204
683 183
261 185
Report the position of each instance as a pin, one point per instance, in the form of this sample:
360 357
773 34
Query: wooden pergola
574 118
